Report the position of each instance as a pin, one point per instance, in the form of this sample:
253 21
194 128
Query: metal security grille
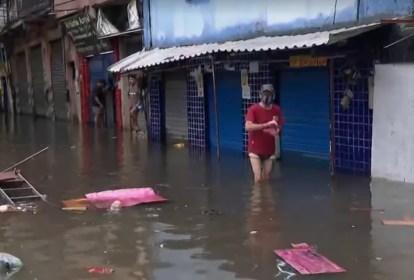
176 122
58 79
23 95
38 81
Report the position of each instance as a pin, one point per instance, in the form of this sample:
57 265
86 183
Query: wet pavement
175 240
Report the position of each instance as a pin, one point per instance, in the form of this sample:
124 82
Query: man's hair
132 76
102 81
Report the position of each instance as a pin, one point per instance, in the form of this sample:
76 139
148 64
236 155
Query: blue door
229 103
304 99
98 66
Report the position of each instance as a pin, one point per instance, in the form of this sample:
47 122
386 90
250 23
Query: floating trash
282 267
9 265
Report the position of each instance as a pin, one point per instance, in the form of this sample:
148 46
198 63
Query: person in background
135 98
99 102
263 122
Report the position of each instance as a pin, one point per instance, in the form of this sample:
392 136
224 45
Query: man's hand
271 123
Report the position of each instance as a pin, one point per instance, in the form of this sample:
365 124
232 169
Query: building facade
207 61
57 50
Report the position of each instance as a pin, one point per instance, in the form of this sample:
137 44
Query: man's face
100 84
132 81
267 97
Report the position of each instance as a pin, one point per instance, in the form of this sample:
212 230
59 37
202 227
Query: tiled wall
353 126
155 108
196 108
197 123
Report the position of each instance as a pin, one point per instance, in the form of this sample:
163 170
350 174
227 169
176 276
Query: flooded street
175 240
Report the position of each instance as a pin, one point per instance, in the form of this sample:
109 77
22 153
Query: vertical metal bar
332 117
6 197
215 108
42 197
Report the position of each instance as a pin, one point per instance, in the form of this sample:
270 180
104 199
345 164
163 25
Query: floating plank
6 176
307 261
398 222
366 209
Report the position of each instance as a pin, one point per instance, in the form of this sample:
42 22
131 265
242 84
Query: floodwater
175 240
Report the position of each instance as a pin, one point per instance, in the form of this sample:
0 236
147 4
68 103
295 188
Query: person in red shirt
263 122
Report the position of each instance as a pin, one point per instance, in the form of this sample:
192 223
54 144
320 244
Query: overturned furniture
14 188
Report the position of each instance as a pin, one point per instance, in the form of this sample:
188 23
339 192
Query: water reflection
301 204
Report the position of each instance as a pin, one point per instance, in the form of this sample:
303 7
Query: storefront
97 67
57 65
176 123
96 55
304 99
38 81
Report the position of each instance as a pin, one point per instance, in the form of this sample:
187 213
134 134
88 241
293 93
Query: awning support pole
215 108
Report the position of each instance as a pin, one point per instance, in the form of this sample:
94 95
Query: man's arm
250 126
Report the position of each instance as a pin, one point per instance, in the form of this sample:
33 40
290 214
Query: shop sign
81 28
301 61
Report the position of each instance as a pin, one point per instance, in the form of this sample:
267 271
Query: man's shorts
96 110
137 107
263 157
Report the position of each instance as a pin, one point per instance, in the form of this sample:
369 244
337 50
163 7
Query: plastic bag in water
9 265
284 270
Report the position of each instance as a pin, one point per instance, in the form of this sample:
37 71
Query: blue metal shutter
304 99
38 81
230 118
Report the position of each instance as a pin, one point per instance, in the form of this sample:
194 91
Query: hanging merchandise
351 77
133 17
104 27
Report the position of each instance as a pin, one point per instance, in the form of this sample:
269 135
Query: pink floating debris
126 197
307 261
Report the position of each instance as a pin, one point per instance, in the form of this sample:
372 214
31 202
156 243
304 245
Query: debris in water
179 145
281 266
126 197
9 265
99 270
307 261
211 212
379 259
253 232
398 222
366 209
74 208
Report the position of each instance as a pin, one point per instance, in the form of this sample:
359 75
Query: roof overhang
154 57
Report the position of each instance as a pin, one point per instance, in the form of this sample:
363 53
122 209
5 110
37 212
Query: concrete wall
392 141
177 22
44 37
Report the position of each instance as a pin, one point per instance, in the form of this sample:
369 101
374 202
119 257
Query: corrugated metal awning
144 59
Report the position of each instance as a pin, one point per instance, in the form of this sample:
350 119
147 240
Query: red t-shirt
262 142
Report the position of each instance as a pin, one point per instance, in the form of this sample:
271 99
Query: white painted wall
393 133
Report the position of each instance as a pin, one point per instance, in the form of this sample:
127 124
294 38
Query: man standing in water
263 122
135 98
99 102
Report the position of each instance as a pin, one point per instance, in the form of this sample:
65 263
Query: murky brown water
174 240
